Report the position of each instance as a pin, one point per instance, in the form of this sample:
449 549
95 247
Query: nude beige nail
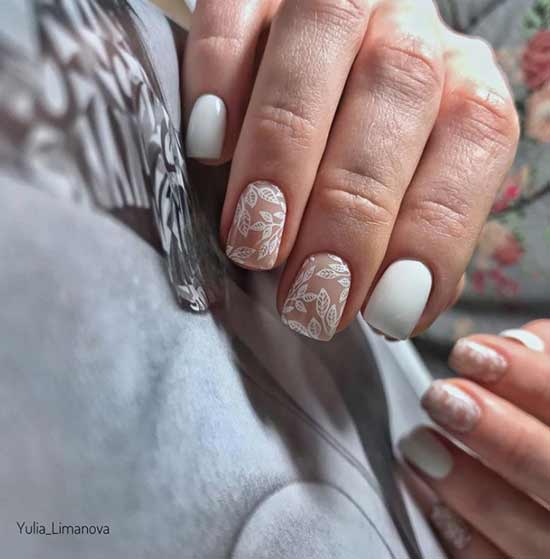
451 407
316 301
477 361
255 236
450 527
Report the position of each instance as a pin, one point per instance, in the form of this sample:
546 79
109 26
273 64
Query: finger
310 50
508 518
460 540
510 370
385 118
512 443
218 74
469 152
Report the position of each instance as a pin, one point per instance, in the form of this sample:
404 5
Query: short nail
477 361
191 4
427 454
528 339
255 235
451 407
317 298
206 128
399 299
450 527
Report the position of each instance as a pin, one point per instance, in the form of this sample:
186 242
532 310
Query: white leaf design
240 254
314 329
300 306
279 215
344 295
341 268
244 224
308 273
297 327
301 292
310 297
268 195
263 251
251 198
258 226
267 217
323 302
332 317
326 273
267 232
273 245
344 282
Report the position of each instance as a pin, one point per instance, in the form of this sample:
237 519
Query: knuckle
284 120
411 68
347 13
215 47
355 196
485 118
448 217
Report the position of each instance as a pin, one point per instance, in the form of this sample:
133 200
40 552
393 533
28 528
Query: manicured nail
451 407
399 299
528 339
477 361
255 236
206 128
427 454
450 527
191 4
316 301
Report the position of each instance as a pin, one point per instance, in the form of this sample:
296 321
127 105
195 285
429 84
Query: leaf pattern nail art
255 236
316 300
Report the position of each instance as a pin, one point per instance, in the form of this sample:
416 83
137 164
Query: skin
388 133
504 494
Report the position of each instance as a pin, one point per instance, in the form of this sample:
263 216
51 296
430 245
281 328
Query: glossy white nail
399 299
191 4
424 451
528 339
206 128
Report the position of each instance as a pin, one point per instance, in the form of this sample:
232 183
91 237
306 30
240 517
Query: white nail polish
424 451
528 339
191 4
399 299
206 128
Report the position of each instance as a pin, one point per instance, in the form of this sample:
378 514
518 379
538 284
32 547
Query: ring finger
510 519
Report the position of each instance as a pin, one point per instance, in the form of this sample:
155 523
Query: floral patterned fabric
509 276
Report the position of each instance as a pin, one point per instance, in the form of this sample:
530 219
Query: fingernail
477 361
191 4
450 527
317 298
451 407
399 299
255 235
206 128
528 339
427 454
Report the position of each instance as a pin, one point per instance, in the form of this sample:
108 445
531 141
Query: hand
494 501
368 144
